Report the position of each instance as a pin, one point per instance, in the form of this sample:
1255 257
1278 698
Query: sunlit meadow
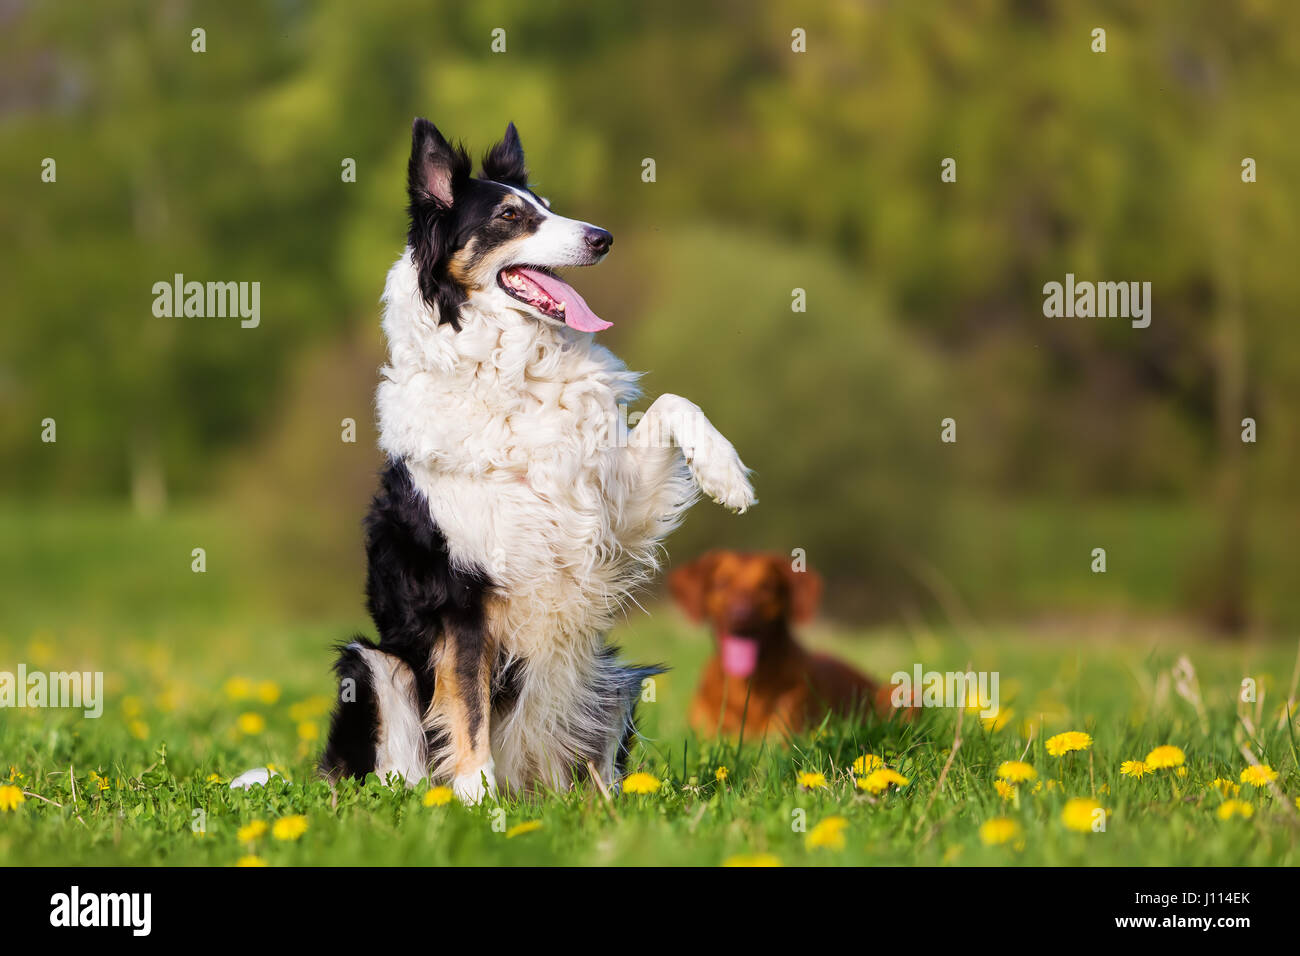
1108 749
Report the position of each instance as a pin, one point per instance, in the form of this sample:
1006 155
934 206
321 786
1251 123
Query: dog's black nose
598 240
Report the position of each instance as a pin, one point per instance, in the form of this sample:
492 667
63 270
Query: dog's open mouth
551 296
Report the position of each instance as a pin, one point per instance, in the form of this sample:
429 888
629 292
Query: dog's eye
510 215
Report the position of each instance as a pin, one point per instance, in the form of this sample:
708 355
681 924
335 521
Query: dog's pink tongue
739 655
577 314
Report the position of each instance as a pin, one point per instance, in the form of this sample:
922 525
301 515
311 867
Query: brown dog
750 601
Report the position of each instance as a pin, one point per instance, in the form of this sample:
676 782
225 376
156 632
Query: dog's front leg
461 701
671 423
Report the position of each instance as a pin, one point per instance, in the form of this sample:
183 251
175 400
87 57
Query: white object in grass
257 777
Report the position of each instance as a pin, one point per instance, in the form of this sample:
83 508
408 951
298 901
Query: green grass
110 595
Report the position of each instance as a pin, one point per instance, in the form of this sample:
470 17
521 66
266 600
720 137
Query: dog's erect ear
504 162
435 165
690 583
805 593
433 175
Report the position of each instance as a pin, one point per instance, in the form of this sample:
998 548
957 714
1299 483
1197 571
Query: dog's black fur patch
416 597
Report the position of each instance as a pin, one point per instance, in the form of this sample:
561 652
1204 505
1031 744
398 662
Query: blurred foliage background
775 170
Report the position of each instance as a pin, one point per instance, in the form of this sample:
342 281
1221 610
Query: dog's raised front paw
722 475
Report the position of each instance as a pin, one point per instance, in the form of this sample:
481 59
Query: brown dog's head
749 600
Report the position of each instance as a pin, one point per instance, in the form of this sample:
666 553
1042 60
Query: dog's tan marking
458 265
456 705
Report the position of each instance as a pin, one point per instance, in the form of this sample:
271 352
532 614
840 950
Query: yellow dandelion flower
1226 788
998 720
308 730
812 781
251 724
1005 790
1082 814
40 651
238 688
1259 776
268 691
878 781
1180 772
15 774
214 778
1068 741
100 782
720 774
641 783
752 859
1229 808
289 828
316 706
519 829
10 797
999 830
867 763
973 699
138 729
1164 757
1016 771
1038 787
250 861
251 831
438 797
1133 768
828 835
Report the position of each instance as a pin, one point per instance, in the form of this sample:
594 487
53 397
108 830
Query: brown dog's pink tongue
577 314
739 655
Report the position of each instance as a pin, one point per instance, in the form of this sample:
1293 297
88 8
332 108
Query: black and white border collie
512 523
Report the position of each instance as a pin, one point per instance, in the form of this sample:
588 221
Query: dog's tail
376 724
633 683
